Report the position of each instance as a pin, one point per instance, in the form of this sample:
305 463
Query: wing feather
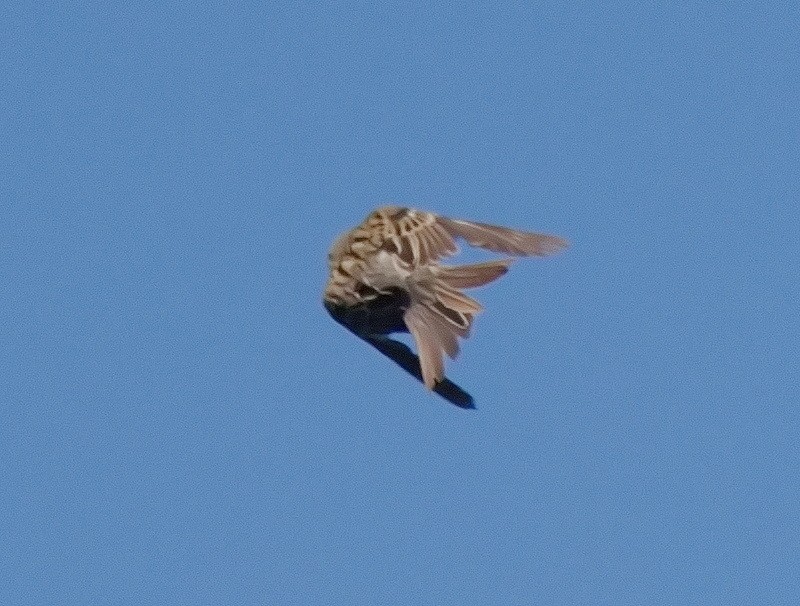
503 239
414 235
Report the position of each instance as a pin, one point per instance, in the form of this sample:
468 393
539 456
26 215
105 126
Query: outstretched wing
415 236
420 238
503 239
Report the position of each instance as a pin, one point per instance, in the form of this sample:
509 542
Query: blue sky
182 423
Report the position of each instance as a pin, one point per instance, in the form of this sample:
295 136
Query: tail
440 313
470 276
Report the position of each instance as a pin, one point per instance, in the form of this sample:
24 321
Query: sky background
182 423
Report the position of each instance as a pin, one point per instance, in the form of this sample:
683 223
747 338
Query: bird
385 277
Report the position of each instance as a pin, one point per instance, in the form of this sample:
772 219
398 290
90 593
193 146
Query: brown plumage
385 277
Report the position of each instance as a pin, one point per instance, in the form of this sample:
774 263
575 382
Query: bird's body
385 277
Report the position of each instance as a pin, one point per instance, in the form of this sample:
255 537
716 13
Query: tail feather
429 343
455 299
440 313
455 308
476 274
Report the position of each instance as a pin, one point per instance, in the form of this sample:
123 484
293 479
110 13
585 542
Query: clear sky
182 423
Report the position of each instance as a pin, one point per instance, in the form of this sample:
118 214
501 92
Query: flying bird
386 277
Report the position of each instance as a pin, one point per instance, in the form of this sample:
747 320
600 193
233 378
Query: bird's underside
385 277
373 321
